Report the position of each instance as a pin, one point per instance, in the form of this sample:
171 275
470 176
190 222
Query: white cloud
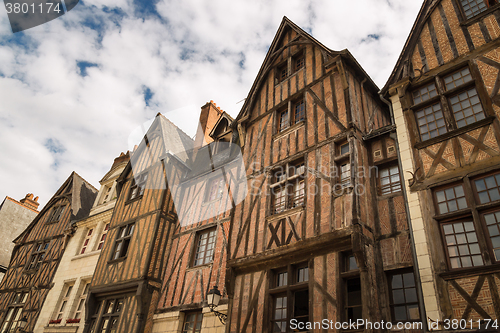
196 52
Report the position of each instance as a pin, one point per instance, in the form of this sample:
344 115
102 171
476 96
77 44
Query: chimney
29 202
210 114
122 158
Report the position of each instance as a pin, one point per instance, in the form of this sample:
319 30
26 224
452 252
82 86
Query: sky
73 90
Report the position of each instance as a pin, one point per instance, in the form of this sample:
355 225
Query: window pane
424 93
466 107
473 7
488 189
431 121
493 222
467 254
451 199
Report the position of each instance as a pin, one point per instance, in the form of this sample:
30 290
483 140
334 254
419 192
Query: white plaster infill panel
425 268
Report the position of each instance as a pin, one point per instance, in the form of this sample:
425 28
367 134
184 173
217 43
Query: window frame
197 245
290 66
137 186
64 301
57 213
290 109
219 192
16 306
391 184
444 188
443 97
292 186
122 243
86 241
392 304
103 235
198 319
98 318
37 256
80 301
288 289
467 20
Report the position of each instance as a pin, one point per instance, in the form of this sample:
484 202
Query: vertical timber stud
345 87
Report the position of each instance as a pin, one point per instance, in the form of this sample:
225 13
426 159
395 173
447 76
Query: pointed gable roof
81 195
274 51
401 69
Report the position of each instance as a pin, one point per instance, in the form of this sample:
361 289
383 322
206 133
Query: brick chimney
209 115
29 202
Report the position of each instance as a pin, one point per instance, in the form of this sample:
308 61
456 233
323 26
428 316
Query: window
458 95
57 213
404 301
462 244
295 63
282 72
14 311
345 174
138 186
103 237
289 296
215 189
106 194
350 262
205 245
86 241
64 301
192 322
451 199
390 182
123 241
292 114
488 188
38 255
344 148
353 305
474 7
84 286
288 187
460 231
298 61
492 221
105 319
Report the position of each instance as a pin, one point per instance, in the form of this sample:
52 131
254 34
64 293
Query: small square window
282 72
488 188
424 93
298 61
192 322
390 181
451 199
474 7
462 245
344 148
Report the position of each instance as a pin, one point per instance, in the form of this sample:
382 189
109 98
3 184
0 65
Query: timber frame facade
322 233
445 98
38 251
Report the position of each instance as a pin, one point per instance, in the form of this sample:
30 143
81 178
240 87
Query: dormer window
106 194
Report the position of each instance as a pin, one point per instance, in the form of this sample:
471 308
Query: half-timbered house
126 284
445 97
64 308
38 252
322 236
214 183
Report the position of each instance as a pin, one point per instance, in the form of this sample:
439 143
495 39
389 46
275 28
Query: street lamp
22 323
213 299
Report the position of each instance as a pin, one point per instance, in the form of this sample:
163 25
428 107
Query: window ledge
292 128
453 133
390 195
285 213
199 267
114 261
129 201
470 271
466 212
88 254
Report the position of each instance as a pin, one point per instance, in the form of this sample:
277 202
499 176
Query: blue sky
73 90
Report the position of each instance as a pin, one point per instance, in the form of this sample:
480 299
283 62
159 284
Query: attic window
282 72
298 61
475 7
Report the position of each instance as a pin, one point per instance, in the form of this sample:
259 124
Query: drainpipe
421 304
